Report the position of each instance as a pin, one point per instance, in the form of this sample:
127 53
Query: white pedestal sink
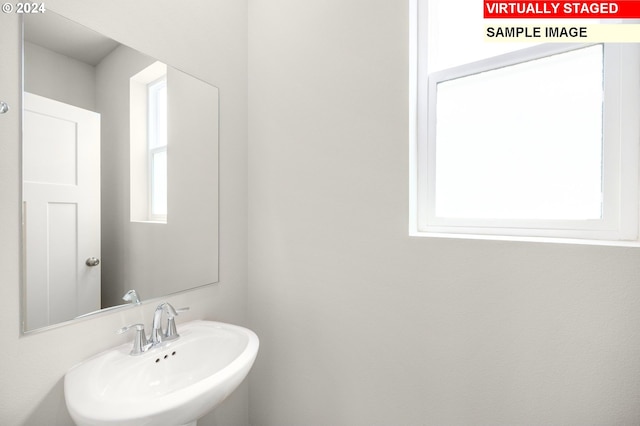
171 385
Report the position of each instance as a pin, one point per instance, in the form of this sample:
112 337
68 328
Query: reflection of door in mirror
61 195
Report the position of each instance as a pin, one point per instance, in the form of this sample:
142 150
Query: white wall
112 93
207 38
55 76
154 258
362 325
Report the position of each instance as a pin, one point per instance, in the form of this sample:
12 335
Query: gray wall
362 325
153 258
33 365
112 94
55 76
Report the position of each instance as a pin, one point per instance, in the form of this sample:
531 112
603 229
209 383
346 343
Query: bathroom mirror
119 171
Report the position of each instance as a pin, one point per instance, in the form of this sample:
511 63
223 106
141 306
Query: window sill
526 239
161 222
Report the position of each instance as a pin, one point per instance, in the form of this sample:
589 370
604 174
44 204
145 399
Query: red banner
624 9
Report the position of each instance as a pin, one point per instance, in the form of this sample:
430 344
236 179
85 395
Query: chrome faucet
158 335
132 297
141 343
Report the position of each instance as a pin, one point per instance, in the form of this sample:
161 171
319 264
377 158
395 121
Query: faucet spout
156 326
158 335
131 296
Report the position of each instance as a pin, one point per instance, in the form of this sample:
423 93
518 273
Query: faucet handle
140 342
180 310
172 332
171 311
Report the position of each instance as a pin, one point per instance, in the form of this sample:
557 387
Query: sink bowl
173 384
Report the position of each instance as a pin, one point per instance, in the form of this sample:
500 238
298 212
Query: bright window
157 144
148 139
514 140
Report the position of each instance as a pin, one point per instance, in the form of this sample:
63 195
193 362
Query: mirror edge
22 274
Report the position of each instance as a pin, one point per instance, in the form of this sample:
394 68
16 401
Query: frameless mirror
120 174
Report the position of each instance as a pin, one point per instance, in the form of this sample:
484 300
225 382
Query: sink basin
174 384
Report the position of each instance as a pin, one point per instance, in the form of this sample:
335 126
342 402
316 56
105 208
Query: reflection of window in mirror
148 168
157 138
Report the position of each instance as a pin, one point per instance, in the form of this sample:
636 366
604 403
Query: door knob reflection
92 261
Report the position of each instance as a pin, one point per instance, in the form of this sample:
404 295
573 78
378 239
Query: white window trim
619 227
139 162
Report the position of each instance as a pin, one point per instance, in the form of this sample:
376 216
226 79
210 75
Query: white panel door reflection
61 195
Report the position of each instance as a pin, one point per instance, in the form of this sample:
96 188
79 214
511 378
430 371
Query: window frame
620 145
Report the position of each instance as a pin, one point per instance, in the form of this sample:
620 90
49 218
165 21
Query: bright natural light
159 183
158 148
455 30
524 141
